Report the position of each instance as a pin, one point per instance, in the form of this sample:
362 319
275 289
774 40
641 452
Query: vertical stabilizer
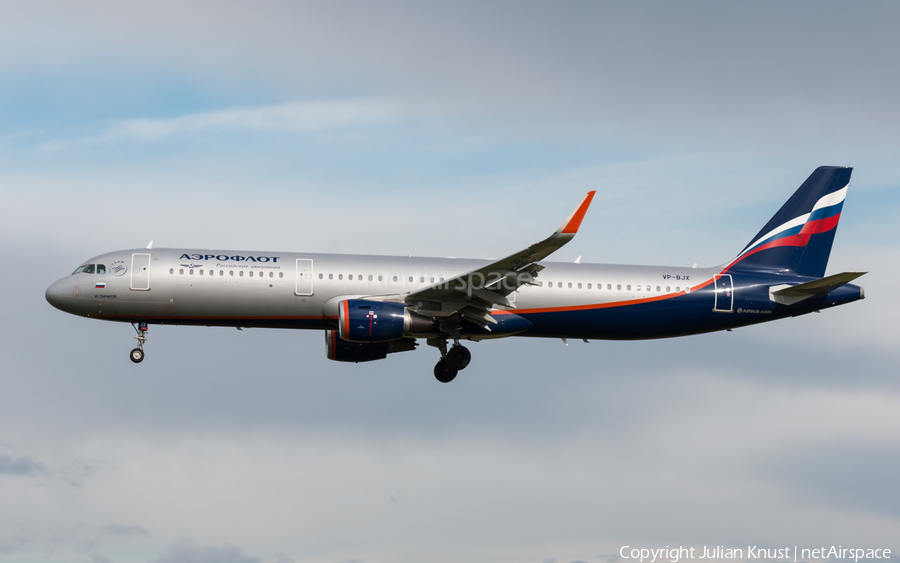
798 238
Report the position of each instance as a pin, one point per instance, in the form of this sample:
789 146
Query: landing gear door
304 277
724 294
140 272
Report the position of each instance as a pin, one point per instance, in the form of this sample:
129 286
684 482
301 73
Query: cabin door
140 271
724 294
304 277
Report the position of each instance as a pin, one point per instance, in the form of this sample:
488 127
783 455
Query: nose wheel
137 354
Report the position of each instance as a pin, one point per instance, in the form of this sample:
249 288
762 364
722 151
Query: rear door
724 294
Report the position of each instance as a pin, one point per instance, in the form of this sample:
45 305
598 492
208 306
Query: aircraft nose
57 292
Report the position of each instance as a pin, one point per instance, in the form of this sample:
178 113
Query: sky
464 129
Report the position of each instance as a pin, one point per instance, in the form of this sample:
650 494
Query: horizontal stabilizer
790 294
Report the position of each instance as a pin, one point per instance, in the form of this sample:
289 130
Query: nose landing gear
453 360
137 354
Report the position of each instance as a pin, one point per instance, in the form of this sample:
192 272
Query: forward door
140 271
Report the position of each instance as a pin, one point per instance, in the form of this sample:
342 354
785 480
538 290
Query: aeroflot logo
224 257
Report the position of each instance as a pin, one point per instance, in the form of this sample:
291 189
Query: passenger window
350 277
191 271
221 272
331 276
638 288
201 272
589 286
171 270
658 289
181 271
251 273
410 279
271 274
668 288
379 278
395 278
432 280
570 285
609 286
230 272
340 276
619 286
579 286
321 276
241 273
101 269
628 287
370 277
280 274
677 288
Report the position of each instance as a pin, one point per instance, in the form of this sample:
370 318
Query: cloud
282 118
123 530
291 118
777 72
186 551
22 466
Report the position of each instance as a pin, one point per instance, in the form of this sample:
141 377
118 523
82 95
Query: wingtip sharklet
573 222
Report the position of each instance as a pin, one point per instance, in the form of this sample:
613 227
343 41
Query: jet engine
340 350
364 321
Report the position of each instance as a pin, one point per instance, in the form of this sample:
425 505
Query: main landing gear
137 355
452 360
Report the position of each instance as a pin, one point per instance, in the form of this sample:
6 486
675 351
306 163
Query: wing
472 295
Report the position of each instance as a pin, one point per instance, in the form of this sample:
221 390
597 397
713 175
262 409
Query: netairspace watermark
795 553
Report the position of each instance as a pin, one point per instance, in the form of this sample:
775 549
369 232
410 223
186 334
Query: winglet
570 225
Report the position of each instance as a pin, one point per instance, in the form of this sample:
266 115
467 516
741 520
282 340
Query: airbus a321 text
372 306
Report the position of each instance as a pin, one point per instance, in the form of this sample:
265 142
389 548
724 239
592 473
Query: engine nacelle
361 320
340 350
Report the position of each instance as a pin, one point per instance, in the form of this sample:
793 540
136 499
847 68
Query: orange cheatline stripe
578 216
600 305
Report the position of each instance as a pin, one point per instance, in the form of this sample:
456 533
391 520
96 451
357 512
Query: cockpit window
101 268
86 269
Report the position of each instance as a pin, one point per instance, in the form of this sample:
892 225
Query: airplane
373 306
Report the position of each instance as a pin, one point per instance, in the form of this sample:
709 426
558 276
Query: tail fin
798 238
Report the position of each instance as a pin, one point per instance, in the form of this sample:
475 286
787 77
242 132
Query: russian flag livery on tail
372 306
798 238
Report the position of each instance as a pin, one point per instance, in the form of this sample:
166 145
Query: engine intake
361 320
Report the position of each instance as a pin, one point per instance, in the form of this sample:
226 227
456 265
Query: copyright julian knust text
795 554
